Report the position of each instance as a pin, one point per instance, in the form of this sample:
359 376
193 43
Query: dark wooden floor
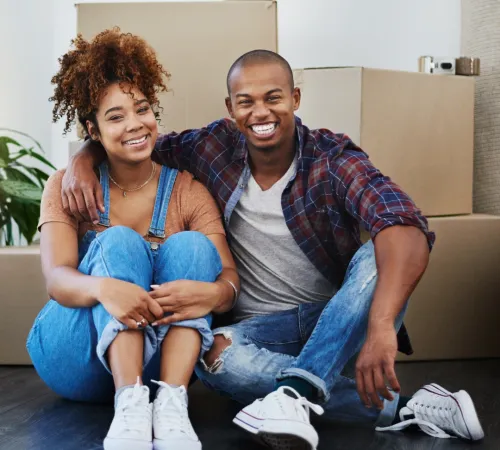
33 418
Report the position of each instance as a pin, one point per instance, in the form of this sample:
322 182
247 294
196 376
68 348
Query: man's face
263 103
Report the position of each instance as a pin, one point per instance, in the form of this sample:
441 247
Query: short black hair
260 57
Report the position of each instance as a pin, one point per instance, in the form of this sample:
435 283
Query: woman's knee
122 253
190 255
191 241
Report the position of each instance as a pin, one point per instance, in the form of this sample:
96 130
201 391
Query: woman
106 320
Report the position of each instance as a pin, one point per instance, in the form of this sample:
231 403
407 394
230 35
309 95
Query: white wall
24 69
389 34
376 33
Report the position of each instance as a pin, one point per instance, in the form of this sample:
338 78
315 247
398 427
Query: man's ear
229 107
296 95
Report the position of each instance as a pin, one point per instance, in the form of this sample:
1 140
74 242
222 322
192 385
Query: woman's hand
185 299
128 303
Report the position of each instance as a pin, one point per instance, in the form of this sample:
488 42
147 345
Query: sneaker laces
171 409
133 409
301 405
432 419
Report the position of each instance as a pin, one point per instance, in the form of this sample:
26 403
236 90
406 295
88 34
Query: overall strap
104 179
163 194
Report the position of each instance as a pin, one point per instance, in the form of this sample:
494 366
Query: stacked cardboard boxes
196 43
418 129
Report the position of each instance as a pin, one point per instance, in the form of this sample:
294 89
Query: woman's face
127 125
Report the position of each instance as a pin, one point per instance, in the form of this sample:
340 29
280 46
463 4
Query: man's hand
401 254
185 299
81 190
375 365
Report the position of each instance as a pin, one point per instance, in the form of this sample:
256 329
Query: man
313 300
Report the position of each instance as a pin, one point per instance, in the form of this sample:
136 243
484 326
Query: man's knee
221 342
362 270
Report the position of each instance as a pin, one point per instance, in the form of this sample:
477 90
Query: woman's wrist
228 293
96 286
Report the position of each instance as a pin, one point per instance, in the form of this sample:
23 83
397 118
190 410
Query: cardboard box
455 310
417 128
196 42
454 313
22 297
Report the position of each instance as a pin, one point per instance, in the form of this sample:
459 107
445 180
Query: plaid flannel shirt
334 191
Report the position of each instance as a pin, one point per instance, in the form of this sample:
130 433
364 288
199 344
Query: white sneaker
132 424
438 412
171 424
281 420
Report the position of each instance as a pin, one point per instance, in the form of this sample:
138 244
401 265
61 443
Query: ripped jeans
316 341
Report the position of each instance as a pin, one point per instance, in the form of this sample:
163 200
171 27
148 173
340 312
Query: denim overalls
68 345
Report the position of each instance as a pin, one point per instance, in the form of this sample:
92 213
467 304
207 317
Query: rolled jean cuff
109 334
202 325
316 382
388 413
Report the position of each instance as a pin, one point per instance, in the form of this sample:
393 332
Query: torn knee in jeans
212 357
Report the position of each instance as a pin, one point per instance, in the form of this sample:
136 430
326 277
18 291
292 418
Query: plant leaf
15 174
26 216
40 175
4 216
32 153
8 140
4 154
24 134
21 190
9 239
4 150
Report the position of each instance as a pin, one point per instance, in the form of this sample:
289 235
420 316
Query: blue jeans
68 345
315 342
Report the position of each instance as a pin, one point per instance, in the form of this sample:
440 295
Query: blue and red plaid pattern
336 188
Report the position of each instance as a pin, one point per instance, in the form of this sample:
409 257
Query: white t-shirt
275 273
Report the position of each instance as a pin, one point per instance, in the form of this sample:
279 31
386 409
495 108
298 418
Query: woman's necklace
153 171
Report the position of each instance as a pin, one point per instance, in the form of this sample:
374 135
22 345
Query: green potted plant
21 185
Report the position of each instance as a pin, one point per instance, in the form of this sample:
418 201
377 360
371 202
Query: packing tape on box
468 66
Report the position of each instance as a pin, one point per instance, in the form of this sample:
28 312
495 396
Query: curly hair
88 69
